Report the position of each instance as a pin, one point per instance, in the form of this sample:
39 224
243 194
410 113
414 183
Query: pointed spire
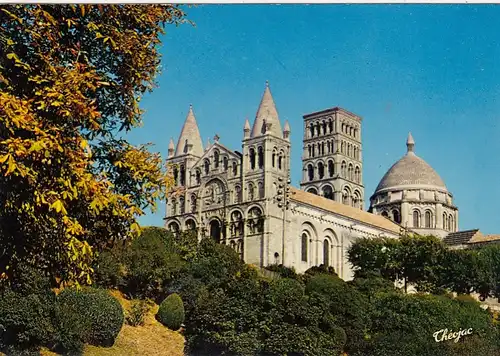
286 130
246 129
171 147
266 119
191 133
410 144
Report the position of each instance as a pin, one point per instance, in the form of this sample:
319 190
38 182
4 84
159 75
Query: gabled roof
332 206
461 237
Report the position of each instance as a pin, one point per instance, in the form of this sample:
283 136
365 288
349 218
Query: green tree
71 78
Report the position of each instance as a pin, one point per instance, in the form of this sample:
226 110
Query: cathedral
244 198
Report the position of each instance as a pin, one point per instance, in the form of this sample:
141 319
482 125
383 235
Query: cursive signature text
444 334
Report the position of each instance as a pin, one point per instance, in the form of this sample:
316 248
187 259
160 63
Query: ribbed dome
411 170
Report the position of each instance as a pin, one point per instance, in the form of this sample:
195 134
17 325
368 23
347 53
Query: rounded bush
93 314
171 312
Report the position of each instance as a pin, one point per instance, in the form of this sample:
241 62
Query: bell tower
332 161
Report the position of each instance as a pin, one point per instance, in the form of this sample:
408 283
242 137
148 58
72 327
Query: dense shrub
150 265
171 312
96 314
26 321
348 306
109 268
26 313
404 325
283 271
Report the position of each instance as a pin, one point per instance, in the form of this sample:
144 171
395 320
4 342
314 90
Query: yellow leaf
12 56
4 158
83 144
82 9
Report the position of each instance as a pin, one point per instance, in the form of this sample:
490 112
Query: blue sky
429 69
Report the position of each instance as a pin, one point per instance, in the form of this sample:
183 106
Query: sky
429 69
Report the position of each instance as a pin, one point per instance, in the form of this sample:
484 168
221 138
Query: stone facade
244 199
412 194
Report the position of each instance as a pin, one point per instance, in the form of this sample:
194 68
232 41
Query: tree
71 78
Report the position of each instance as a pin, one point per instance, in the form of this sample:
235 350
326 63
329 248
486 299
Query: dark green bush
26 313
283 271
96 314
150 265
171 312
109 269
25 320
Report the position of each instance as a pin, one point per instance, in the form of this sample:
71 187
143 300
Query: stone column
439 216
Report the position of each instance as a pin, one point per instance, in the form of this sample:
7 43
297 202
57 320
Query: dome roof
411 170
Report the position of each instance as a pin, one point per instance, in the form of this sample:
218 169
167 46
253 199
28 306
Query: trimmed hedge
90 316
171 312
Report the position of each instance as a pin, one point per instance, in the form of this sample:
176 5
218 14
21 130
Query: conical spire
246 129
286 130
190 133
266 119
171 148
410 144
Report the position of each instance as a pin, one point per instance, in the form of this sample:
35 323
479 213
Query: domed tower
412 194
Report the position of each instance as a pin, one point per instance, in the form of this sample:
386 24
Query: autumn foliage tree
71 78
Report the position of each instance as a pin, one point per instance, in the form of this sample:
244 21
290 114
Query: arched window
428 218
324 127
198 177
215 230
450 223
251 191
216 159
193 203
174 206
176 176
190 225
355 153
207 166
416 219
328 192
309 150
237 194
356 199
174 227
310 172
312 191
303 248
345 197
181 205
311 129
261 157
274 156
182 176
357 174
396 216
255 221
322 148
252 158
261 190
350 172
445 221
235 169
280 161
330 125
326 253
331 168
343 169
226 163
385 214
321 170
